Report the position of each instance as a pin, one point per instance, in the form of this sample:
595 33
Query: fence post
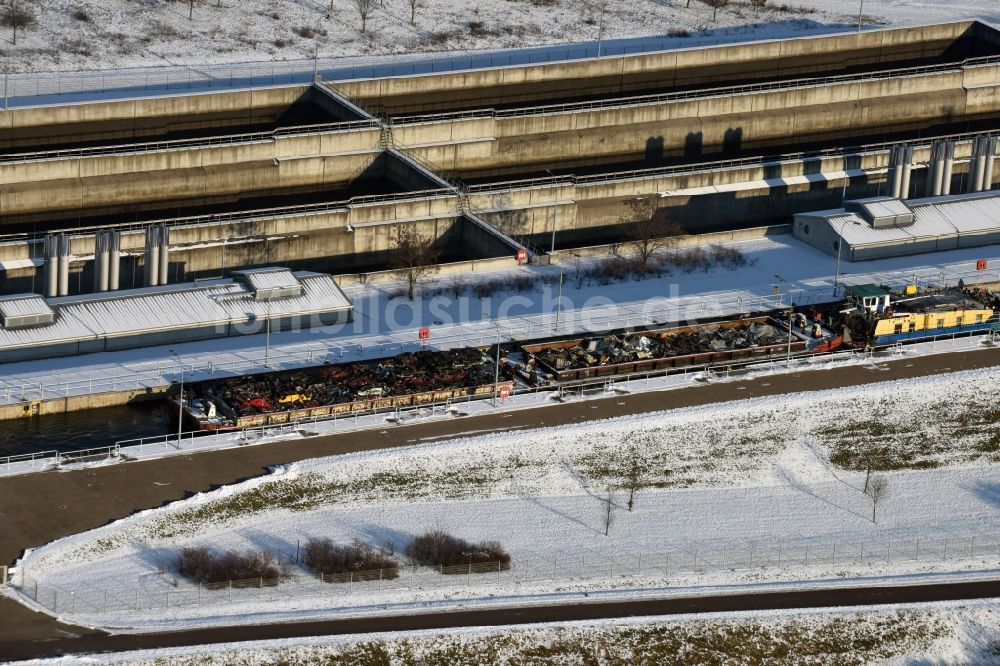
498 571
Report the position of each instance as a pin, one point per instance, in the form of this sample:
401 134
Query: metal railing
587 566
719 165
683 95
242 216
178 144
612 317
350 421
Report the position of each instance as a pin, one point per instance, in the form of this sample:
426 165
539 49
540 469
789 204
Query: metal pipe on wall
152 267
101 260
990 154
935 170
63 265
114 260
904 188
949 165
51 266
164 265
895 172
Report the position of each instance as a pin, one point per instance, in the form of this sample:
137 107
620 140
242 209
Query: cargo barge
407 380
676 348
873 316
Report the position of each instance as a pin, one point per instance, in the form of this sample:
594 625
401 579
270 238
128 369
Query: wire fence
638 564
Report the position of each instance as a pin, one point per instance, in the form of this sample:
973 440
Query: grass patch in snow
842 638
959 431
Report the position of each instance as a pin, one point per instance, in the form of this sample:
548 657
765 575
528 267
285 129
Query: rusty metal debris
628 348
408 373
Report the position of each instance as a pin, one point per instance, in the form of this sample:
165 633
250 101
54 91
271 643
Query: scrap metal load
412 378
625 353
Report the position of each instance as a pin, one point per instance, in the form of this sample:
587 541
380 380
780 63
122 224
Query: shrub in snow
341 564
201 565
457 556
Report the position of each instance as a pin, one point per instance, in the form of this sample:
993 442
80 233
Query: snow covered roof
965 213
21 310
935 217
199 304
270 283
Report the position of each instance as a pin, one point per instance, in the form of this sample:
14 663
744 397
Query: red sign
504 392
981 265
425 332
522 257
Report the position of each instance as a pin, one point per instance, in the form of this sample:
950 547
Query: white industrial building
33 327
887 227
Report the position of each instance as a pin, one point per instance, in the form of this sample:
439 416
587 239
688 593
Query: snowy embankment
745 493
943 633
100 34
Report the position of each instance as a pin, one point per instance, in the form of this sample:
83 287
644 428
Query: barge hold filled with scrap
625 353
413 378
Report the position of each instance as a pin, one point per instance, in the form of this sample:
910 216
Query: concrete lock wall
707 126
621 74
205 185
346 238
700 200
98 183
22 128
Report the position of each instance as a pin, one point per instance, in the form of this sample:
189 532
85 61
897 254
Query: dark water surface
85 429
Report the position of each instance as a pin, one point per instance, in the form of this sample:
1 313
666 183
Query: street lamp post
555 212
267 337
496 373
180 401
861 9
788 353
840 244
559 299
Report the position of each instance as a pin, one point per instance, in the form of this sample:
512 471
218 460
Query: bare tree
364 9
758 4
716 5
190 10
650 230
871 459
878 489
414 255
633 480
608 511
16 15
414 6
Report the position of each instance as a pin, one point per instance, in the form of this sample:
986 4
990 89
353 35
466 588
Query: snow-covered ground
941 633
102 34
739 494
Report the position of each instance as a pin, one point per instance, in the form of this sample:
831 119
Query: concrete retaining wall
682 67
701 127
23 128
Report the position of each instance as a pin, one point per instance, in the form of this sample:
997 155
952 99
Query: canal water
86 429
